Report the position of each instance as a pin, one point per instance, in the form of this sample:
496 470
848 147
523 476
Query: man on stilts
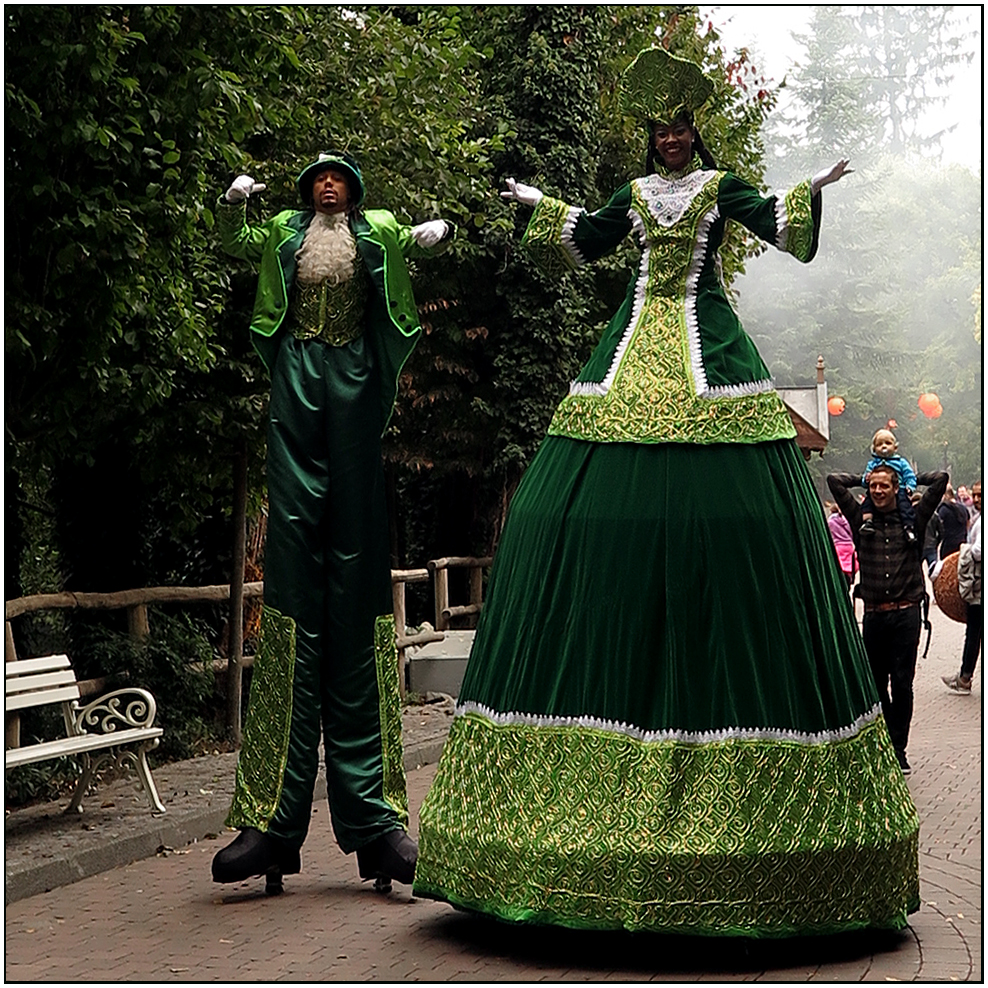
334 321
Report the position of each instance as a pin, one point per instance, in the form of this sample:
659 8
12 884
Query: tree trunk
234 680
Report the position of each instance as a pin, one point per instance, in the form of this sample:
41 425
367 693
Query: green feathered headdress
660 86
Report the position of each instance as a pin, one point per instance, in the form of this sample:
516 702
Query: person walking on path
334 321
954 517
969 585
643 735
840 532
892 587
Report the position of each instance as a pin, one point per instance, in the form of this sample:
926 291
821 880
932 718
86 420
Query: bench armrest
125 708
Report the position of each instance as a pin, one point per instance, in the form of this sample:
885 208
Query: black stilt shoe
255 853
390 856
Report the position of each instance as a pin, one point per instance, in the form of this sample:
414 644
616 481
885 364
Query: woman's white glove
429 234
829 175
242 187
527 195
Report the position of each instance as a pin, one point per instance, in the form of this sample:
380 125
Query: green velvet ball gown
668 721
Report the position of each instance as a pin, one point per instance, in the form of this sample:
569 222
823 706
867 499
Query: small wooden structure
807 407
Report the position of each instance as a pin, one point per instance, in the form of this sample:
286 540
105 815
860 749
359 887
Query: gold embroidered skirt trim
588 829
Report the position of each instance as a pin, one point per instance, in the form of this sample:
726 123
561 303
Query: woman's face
674 142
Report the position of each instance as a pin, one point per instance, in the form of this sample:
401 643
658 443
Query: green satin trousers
327 580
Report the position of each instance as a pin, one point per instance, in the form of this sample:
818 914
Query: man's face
884 443
976 496
330 192
882 489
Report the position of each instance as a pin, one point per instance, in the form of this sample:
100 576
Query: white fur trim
516 719
638 228
781 222
566 235
328 252
692 280
602 387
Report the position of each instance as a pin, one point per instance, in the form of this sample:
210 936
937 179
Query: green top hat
339 160
660 86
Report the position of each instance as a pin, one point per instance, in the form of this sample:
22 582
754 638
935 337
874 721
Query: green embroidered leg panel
261 767
392 754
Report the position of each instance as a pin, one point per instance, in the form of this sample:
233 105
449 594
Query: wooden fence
136 602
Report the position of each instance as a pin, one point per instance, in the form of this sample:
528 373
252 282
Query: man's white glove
429 234
528 195
242 187
829 175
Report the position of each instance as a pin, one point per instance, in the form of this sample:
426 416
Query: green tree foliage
131 380
870 78
130 375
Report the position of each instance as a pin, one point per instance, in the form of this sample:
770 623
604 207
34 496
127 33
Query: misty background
893 299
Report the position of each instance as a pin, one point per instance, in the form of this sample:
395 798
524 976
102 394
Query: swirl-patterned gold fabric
593 829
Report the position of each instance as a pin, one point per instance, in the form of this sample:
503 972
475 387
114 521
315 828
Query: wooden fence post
234 673
137 621
440 576
398 606
476 585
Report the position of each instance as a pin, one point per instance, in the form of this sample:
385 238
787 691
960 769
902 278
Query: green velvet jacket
383 243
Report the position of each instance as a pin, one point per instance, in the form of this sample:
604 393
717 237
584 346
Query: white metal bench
117 727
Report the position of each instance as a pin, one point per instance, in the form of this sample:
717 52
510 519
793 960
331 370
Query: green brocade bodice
674 364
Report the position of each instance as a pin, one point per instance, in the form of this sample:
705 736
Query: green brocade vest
332 313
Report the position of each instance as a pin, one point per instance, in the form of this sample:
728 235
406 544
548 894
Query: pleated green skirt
668 721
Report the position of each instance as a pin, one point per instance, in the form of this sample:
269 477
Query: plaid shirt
891 567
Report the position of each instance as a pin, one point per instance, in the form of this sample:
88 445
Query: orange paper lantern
835 405
935 412
927 402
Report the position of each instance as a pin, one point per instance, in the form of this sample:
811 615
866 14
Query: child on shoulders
885 452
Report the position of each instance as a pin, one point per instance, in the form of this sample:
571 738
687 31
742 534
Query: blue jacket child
885 450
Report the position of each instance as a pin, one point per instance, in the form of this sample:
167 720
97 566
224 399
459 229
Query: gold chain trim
392 753
261 766
544 238
799 214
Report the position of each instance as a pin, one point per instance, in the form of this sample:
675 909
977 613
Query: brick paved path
163 920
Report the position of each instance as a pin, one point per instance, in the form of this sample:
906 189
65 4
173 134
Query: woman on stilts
668 721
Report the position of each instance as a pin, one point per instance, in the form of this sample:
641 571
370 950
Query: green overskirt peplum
668 721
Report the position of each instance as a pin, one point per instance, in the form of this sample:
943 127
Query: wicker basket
945 590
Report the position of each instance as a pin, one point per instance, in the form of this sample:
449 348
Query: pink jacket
840 532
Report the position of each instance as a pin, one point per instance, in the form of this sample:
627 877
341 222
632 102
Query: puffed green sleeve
561 237
789 221
238 237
